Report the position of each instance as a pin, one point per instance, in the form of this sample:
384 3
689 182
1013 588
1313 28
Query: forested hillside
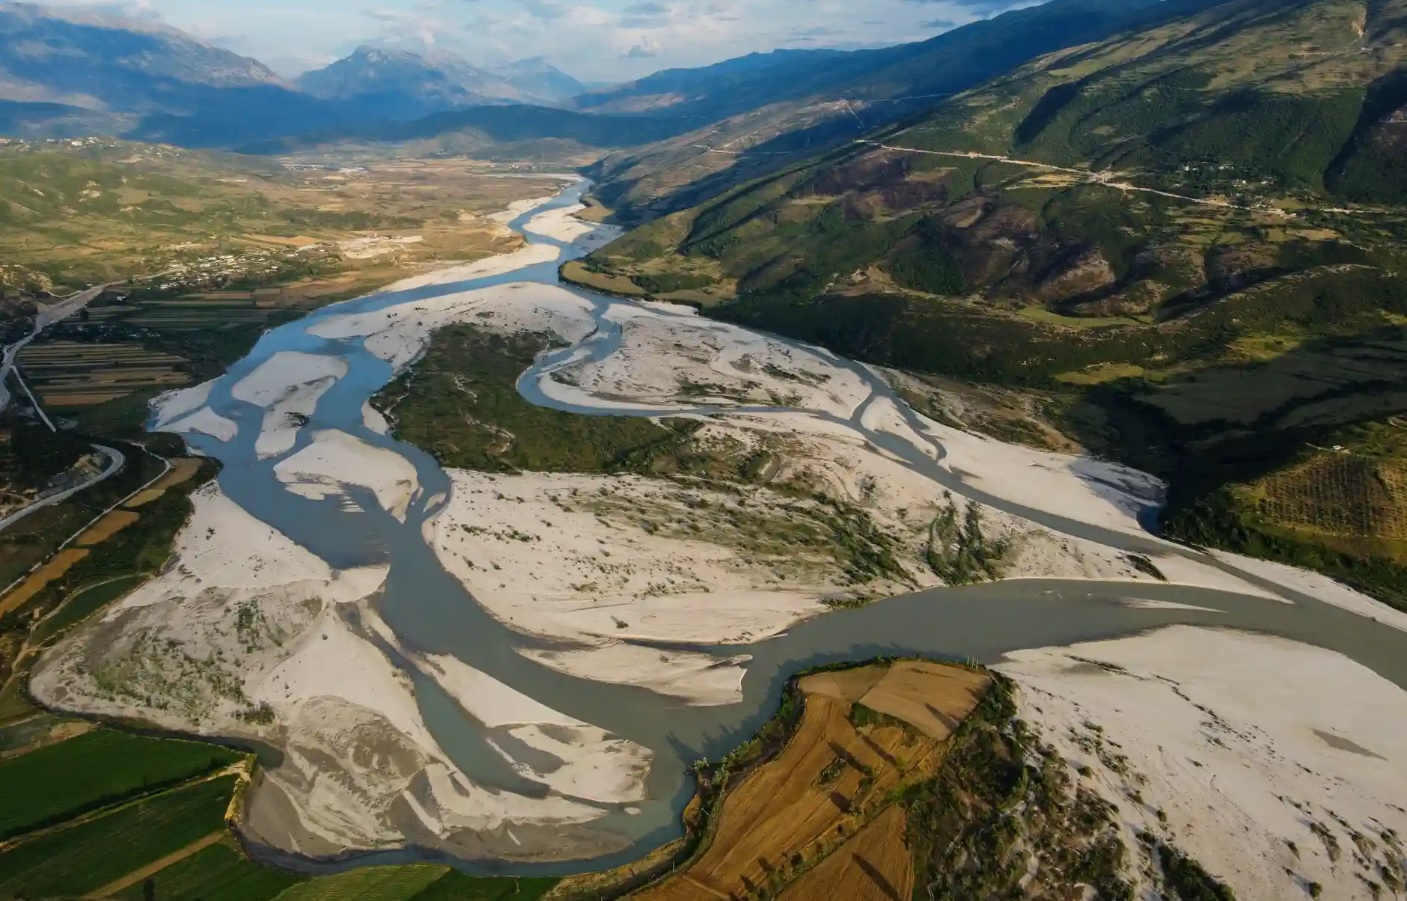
1185 240
762 113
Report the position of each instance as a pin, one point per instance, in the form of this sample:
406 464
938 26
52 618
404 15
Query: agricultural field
113 210
203 252
862 869
92 854
71 374
60 781
837 775
172 821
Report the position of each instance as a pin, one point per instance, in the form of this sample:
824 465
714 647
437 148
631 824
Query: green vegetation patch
216 873
82 858
455 886
1001 799
369 884
461 404
60 781
963 554
83 603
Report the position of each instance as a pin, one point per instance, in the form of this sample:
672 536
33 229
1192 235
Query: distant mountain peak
99 60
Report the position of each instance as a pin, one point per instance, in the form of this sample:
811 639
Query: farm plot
77 374
837 773
873 866
49 572
198 312
107 527
370 884
216 873
95 853
60 781
183 469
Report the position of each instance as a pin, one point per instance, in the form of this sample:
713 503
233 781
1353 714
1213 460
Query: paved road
1087 175
115 460
166 468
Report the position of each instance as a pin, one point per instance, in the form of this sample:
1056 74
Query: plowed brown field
873 866
828 782
52 570
107 527
183 469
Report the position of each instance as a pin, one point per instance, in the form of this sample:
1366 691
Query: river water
431 612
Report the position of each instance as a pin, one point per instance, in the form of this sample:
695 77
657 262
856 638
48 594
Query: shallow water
430 611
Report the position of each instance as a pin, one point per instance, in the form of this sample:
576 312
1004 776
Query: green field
83 603
60 781
216 873
455 886
221 873
83 858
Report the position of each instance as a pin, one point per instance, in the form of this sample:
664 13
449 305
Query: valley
971 467
279 676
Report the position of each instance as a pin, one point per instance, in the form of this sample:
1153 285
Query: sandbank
1244 743
336 459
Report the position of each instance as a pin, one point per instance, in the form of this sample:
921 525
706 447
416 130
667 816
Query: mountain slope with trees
760 113
1183 241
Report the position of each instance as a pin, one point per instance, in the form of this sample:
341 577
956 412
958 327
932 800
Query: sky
594 40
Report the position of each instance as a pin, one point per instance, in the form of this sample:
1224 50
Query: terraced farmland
866 733
74 374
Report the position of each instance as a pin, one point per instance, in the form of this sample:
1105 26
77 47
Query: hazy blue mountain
404 85
503 131
96 62
67 72
722 89
539 78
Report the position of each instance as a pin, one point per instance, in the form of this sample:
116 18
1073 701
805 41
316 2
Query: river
431 612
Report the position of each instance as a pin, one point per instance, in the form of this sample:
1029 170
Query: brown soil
828 782
80 400
931 697
183 469
51 571
875 865
844 685
107 527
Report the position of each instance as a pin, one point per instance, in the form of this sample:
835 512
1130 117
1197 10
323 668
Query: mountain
539 79
64 70
403 85
762 112
1183 243
720 90
82 59
510 132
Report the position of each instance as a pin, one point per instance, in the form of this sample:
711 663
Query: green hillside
758 114
1187 239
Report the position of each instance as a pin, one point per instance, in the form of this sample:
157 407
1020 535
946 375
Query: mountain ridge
782 111
1158 236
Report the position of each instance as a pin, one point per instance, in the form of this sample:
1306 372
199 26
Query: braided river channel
431 612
